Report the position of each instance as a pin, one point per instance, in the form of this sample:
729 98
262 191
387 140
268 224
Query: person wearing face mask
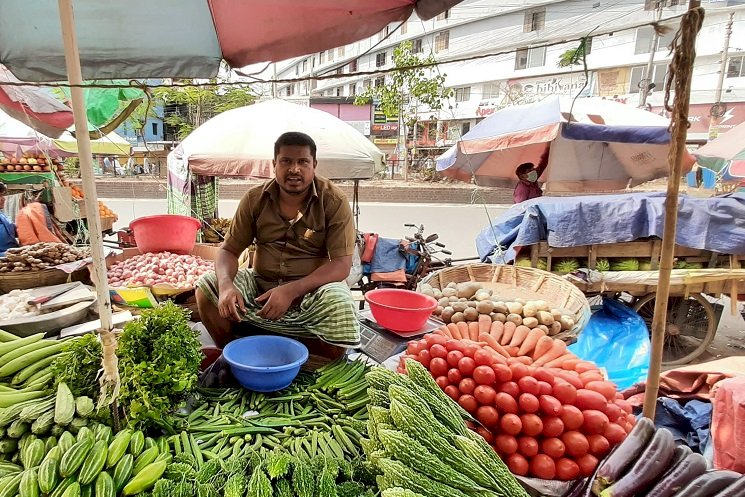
528 174
301 225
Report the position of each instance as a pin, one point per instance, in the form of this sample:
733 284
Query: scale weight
380 343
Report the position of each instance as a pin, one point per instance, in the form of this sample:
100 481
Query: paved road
457 224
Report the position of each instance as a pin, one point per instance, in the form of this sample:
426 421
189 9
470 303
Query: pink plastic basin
167 232
400 310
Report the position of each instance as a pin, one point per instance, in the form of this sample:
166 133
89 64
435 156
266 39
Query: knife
56 293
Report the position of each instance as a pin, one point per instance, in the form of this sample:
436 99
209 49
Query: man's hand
276 302
230 302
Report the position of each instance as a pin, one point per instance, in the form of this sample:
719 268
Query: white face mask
532 176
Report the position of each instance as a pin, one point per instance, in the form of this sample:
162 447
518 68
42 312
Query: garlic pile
14 305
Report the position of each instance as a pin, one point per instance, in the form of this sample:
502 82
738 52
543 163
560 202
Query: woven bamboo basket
511 282
33 279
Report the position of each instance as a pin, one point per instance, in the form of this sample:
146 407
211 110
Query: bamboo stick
681 72
75 77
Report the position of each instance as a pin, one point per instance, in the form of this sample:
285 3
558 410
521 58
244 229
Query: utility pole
274 81
717 110
646 81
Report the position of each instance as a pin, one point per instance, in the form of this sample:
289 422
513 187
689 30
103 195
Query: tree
197 104
409 88
573 56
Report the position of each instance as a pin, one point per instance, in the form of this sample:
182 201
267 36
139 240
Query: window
340 52
379 81
644 37
734 67
331 54
444 15
380 59
322 57
353 66
465 128
366 84
352 90
416 46
534 20
305 65
463 94
339 91
442 41
290 90
154 128
297 69
404 28
383 33
530 57
491 90
659 73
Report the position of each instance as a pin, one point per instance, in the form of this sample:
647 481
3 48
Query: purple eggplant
649 466
613 466
709 484
678 476
737 489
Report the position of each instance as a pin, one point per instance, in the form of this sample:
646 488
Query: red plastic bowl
167 232
400 310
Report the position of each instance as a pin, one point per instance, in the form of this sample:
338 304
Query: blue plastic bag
616 339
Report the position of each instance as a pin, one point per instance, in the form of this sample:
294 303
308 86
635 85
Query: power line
436 63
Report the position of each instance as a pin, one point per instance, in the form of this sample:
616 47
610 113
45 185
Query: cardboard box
149 296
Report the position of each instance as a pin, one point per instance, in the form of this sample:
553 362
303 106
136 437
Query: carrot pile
531 345
546 412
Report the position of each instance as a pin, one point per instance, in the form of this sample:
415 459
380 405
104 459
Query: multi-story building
507 53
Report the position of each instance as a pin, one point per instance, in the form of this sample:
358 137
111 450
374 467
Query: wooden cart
692 318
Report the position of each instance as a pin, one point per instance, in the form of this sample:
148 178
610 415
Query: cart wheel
690 328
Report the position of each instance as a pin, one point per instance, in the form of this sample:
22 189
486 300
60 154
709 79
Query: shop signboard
528 90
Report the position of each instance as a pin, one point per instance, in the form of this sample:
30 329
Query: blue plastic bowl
265 363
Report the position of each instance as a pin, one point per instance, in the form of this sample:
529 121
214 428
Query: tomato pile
545 422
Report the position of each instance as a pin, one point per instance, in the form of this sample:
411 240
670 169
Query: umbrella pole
75 77
684 51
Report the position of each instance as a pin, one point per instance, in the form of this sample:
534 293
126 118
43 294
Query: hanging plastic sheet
616 339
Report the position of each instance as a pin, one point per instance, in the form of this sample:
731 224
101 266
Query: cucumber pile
233 440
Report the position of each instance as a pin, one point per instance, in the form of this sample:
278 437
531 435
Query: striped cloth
327 313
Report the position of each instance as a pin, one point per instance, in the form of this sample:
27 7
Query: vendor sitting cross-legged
301 225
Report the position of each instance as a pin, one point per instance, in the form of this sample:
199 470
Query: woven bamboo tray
511 282
32 279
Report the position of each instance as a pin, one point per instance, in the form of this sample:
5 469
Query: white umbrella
240 142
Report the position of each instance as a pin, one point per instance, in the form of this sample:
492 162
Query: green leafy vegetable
159 358
78 366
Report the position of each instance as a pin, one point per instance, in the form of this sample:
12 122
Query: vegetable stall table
619 235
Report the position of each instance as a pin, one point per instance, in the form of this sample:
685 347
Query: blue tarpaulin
688 422
716 224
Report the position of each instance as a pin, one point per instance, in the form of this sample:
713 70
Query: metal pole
647 75
715 120
75 77
682 85
274 81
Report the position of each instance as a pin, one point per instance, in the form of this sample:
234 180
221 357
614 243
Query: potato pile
464 302
41 255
